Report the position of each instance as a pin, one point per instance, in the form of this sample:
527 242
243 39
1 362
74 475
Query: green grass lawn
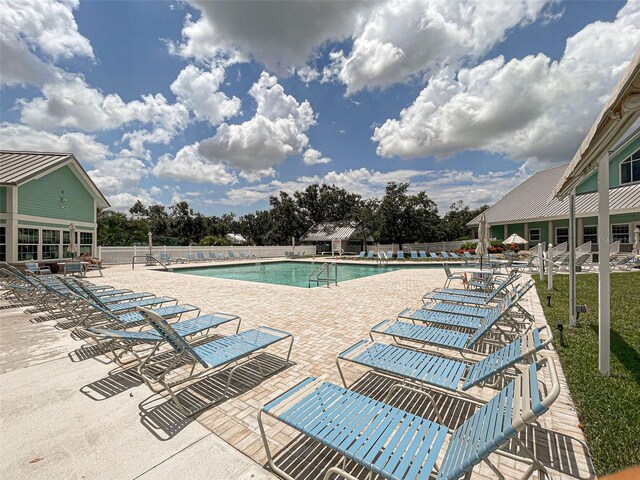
609 407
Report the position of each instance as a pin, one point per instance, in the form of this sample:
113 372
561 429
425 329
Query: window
3 244
590 233
534 234
562 235
27 244
50 244
86 242
630 169
620 233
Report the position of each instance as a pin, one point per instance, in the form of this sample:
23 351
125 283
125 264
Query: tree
138 210
424 219
285 220
454 223
365 217
394 213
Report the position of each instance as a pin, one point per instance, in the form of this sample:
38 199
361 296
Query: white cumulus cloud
188 165
312 156
276 131
532 109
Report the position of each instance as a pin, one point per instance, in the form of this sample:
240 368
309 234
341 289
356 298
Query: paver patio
324 321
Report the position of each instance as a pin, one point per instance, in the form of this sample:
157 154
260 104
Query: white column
12 224
580 232
549 255
526 231
506 232
572 259
604 285
552 232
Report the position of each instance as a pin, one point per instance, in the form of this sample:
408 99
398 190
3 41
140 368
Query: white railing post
550 284
135 250
541 260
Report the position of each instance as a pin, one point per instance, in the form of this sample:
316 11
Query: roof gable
17 168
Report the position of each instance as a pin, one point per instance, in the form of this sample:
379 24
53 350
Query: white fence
614 248
121 255
435 247
584 248
559 249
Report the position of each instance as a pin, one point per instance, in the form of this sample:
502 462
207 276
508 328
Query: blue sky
225 103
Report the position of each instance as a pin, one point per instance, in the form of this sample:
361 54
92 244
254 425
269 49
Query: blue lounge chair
191 257
390 255
231 255
213 256
465 296
201 257
370 255
445 255
237 349
242 256
222 256
395 444
454 255
434 255
73 268
360 255
165 258
125 345
414 255
436 371
400 255
423 255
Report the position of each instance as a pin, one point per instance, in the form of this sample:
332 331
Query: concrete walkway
55 424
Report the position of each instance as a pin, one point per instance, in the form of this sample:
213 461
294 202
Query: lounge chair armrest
555 382
345 353
224 314
376 327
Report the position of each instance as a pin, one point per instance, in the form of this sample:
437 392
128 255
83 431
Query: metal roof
325 232
529 200
17 168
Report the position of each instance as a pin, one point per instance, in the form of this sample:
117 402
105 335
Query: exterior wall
42 197
3 199
590 184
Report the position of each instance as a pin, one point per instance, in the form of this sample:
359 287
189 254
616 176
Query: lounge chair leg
340 472
536 465
265 443
344 382
492 467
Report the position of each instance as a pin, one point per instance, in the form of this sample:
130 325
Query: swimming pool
294 274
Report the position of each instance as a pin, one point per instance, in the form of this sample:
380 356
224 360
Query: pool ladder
382 260
325 268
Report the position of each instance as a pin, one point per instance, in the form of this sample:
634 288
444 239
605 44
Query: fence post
99 251
541 260
550 284
135 250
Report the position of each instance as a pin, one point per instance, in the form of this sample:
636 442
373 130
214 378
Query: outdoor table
83 264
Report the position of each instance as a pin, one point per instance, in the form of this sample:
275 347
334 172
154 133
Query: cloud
22 137
443 186
237 31
308 74
257 175
188 165
403 38
532 109
276 131
29 28
199 91
312 156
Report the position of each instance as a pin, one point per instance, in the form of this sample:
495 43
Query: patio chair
201 257
395 444
360 255
621 262
390 255
400 255
222 256
451 276
165 258
73 268
127 346
435 371
434 255
445 255
455 256
191 257
236 350
212 256
35 269
423 255
370 254
414 255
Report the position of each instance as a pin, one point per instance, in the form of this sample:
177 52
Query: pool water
294 274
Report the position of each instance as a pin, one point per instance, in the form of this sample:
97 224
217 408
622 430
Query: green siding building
41 194
527 211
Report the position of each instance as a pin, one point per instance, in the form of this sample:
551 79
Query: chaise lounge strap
441 337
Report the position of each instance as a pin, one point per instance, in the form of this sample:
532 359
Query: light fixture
63 199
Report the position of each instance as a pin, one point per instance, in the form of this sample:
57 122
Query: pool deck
68 414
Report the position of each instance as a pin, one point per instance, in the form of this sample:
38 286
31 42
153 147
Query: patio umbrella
636 240
483 238
71 248
150 238
515 238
